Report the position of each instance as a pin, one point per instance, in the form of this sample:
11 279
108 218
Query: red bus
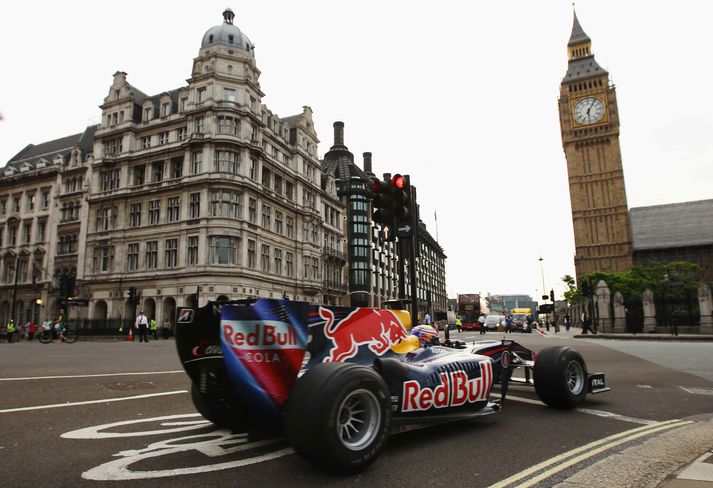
469 309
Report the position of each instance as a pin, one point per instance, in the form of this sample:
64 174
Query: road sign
546 308
403 230
79 302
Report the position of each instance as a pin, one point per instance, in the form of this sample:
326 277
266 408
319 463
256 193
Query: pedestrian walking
481 321
427 319
508 324
31 331
567 322
142 322
586 324
459 324
11 331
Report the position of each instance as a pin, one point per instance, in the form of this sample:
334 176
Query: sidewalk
576 333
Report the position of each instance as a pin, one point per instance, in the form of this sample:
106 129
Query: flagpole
435 216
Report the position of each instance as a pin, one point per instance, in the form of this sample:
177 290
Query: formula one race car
338 380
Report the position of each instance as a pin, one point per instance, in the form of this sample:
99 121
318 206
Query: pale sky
460 95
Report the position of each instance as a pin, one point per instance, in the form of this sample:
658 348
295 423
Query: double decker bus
470 306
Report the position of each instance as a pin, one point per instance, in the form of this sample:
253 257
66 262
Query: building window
139 174
171 253
41 232
290 264
196 162
224 250
176 168
228 125
192 250
103 259
163 138
16 204
253 169
278 184
110 180
182 133
106 219
225 204
266 221
152 255
265 258
201 94
305 262
12 236
135 215
26 233
278 261
157 170
132 257
194 206
265 177
251 254
154 212
113 147
200 125
229 94
252 210
147 113
146 142
173 212
278 222
289 191
30 201
165 109
184 104
315 268
3 206
290 226
227 162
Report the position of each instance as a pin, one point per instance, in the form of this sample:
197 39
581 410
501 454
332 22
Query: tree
573 294
634 282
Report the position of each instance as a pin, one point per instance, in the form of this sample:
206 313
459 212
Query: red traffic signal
398 181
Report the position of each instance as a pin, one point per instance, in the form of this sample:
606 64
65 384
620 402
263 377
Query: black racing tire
226 413
45 336
339 416
560 376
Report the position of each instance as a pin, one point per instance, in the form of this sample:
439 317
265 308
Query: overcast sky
460 95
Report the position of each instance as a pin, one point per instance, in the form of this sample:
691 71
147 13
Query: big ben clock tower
589 120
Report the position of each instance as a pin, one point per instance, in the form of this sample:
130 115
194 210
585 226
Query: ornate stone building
589 120
196 193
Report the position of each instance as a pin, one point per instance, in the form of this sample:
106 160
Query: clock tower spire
589 121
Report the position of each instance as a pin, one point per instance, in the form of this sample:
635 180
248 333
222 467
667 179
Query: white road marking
570 458
89 375
598 413
89 402
95 432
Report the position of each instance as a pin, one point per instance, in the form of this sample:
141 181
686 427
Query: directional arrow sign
403 230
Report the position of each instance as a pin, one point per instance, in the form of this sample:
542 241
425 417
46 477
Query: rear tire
70 336
560 376
339 416
46 337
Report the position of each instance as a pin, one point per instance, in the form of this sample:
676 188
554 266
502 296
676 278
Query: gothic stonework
589 120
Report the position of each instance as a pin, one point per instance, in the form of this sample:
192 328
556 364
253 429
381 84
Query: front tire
46 337
339 416
560 376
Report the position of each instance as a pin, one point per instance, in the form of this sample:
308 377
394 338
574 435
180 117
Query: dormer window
147 114
230 38
210 39
202 94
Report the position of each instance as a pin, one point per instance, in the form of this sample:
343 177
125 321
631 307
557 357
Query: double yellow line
570 458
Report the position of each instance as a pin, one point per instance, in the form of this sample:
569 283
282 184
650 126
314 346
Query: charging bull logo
379 329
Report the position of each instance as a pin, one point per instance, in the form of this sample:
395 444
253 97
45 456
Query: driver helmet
426 334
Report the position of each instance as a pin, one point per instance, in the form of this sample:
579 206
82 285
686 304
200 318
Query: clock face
588 110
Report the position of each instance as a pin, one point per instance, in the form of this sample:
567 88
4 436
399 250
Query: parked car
492 322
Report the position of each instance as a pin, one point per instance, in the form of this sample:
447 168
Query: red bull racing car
337 380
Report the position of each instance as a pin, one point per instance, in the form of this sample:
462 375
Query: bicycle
49 334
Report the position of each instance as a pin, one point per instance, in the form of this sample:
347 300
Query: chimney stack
367 163
339 133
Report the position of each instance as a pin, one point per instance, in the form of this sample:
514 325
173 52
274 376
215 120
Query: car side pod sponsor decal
377 328
263 347
185 316
455 390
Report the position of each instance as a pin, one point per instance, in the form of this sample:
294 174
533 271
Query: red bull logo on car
455 390
378 329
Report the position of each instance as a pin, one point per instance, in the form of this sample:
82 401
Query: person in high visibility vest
459 324
153 327
10 330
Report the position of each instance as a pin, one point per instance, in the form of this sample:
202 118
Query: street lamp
542 272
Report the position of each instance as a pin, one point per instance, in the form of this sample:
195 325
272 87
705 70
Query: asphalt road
85 413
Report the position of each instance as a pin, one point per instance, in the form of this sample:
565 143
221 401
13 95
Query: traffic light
401 200
383 203
552 296
132 295
585 288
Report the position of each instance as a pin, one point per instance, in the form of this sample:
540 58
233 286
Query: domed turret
227 35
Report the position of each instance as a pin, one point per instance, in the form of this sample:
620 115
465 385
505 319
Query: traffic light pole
412 259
